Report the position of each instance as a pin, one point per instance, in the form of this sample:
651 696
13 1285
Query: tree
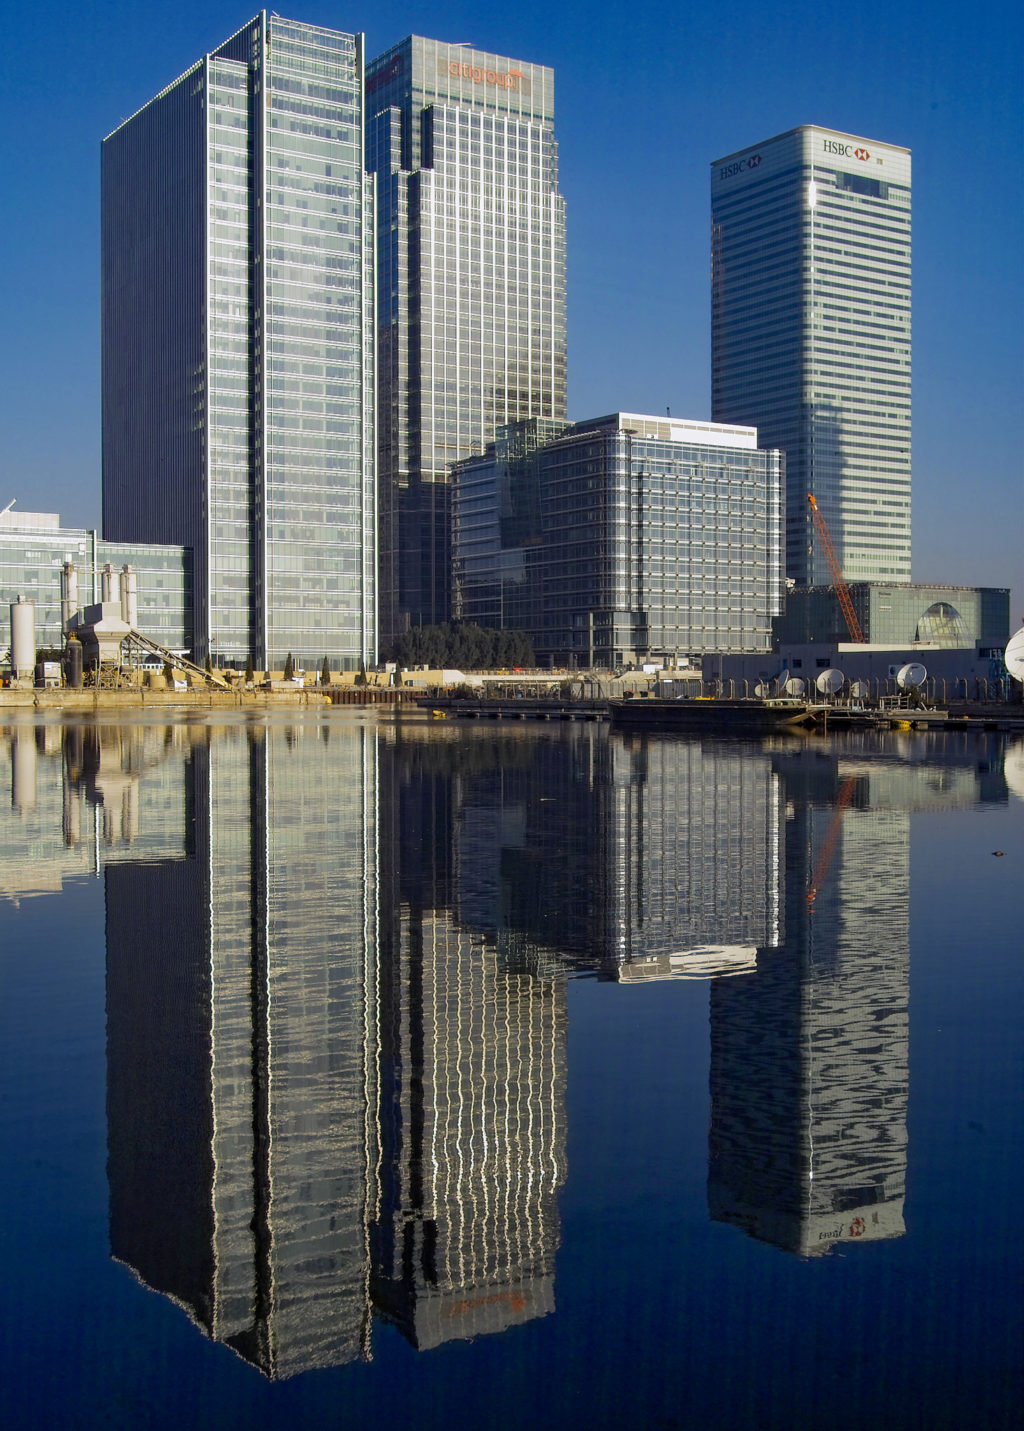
208 665
462 644
325 674
361 673
248 671
289 667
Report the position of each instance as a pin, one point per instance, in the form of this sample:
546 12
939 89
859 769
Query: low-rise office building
622 538
899 614
34 549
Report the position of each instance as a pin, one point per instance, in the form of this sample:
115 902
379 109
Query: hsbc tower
810 336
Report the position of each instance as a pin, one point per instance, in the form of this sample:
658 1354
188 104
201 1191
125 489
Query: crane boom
841 588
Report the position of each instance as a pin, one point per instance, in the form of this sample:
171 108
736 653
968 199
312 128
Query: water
361 1070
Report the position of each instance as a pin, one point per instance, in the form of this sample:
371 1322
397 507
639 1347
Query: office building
471 287
621 539
810 336
912 613
238 340
35 548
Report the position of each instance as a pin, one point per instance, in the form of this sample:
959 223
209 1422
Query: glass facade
32 555
952 617
471 264
811 336
622 538
238 343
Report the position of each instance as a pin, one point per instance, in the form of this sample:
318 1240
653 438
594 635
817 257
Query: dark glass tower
238 374
471 288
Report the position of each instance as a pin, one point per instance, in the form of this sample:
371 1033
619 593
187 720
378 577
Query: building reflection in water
237 1122
809 1052
336 994
75 801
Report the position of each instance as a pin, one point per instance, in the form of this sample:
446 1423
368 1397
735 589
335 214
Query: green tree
361 673
325 674
248 670
289 667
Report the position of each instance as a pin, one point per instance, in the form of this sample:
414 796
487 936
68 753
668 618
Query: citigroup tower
471 263
238 343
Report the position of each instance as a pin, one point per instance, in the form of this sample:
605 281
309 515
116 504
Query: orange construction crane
842 590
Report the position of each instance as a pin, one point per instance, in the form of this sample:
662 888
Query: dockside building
238 343
623 538
810 334
471 285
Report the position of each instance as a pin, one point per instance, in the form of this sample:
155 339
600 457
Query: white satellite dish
910 676
762 689
830 682
859 690
1013 656
795 686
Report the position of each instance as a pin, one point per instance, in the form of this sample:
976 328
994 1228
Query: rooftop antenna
10 504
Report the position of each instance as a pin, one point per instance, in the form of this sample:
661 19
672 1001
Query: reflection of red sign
515 1300
862 154
857 1226
504 80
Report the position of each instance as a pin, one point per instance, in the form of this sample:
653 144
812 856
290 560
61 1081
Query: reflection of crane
842 590
828 844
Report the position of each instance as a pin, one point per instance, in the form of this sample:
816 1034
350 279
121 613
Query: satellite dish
782 678
859 690
795 686
910 676
762 689
1013 656
830 682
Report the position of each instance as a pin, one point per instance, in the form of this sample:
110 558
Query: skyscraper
810 336
471 264
238 342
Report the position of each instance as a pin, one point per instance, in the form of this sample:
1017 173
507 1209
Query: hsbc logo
847 151
728 170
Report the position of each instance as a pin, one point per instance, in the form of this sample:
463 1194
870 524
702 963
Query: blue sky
646 96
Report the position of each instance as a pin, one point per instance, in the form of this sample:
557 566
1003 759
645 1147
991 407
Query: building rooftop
673 429
28 521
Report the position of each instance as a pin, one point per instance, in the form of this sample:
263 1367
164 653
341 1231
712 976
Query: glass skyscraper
471 259
238 343
810 309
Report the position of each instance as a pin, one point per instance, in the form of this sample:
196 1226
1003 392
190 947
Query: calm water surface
363 1072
